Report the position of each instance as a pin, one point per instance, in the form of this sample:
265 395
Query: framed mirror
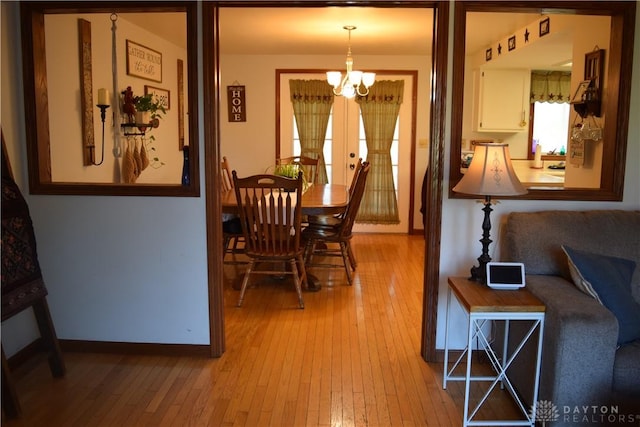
562 34
85 65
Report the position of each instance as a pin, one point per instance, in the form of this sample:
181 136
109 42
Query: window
550 124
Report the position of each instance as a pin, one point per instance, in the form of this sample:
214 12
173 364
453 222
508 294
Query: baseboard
80 346
147 349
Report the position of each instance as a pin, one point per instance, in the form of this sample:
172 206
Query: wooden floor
350 358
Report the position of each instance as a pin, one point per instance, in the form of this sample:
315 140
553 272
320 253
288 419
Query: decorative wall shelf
133 129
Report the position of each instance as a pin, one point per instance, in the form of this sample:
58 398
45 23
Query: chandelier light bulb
354 82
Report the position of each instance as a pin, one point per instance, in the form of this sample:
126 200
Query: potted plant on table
291 171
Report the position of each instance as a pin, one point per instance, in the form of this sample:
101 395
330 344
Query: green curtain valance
550 86
384 91
311 91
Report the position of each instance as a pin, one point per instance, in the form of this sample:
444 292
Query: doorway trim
434 181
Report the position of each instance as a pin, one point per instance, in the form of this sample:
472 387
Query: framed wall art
162 95
544 27
144 62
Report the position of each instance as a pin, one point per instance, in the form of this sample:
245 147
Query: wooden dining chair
309 166
231 228
271 224
335 219
337 231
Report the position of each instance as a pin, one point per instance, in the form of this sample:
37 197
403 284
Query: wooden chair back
355 176
309 166
270 215
355 198
226 180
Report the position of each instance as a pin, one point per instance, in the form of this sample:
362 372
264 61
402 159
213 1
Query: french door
345 143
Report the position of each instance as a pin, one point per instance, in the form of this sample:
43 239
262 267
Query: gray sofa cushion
626 370
579 337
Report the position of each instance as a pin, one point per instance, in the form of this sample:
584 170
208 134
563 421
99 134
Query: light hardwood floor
350 358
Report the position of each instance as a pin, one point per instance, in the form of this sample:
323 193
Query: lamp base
479 274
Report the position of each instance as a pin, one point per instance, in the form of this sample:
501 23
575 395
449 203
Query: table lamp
490 174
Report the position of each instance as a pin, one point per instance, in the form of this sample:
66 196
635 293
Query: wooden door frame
434 181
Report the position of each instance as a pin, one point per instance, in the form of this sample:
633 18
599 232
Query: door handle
352 166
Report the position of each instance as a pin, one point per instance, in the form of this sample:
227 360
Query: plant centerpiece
148 109
291 171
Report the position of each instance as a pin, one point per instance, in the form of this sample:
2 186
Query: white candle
103 97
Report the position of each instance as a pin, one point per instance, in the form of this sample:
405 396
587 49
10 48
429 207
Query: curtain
312 102
550 86
380 110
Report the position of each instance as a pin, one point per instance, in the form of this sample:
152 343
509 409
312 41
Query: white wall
462 219
117 268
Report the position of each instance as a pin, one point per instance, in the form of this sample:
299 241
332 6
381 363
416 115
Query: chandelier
353 81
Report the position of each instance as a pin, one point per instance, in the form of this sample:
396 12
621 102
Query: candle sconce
103 104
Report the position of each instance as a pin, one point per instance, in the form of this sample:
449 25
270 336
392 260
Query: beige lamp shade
490 173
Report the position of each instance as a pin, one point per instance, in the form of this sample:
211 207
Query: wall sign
544 26
143 62
236 104
163 96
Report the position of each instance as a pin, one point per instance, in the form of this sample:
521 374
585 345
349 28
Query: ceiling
319 30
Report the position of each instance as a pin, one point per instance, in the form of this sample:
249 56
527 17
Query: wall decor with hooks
587 99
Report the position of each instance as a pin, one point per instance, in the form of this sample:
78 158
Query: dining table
317 199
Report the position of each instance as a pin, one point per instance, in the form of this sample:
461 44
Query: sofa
583 362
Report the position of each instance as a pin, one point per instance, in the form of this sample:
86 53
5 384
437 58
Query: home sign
236 104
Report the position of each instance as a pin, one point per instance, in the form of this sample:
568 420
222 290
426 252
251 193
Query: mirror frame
37 108
616 103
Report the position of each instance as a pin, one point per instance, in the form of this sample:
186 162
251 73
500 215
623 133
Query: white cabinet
501 100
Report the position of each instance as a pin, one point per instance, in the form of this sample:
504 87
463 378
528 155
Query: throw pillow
608 280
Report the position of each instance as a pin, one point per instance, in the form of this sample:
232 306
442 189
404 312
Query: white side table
484 304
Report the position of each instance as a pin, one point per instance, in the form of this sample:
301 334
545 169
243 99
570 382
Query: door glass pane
394 150
326 149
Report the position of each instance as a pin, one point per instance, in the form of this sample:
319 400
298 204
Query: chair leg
10 401
303 271
48 333
297 280
245 282
352 257
345 260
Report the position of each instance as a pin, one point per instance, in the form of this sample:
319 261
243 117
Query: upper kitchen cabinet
501 100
